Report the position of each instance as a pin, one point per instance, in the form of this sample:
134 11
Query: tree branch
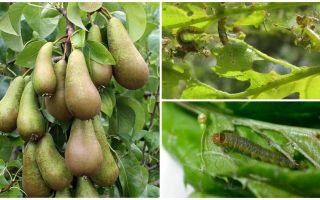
69 32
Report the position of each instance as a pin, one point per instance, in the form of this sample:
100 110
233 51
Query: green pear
131 70
52 165
9 105
85 189
101 74
109 171
27 79
65 193
44 78
83 153
82 97
32 182
56 104
30 122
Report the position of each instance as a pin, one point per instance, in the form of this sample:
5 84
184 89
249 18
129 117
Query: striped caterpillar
243 145
222 31
188 45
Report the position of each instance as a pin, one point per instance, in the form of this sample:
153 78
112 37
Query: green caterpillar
245 146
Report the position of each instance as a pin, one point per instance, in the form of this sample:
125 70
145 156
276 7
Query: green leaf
151 191
136 19
264 190
100 53
42 25
254 19
138 110
13 192
133 177
15 12
152 140
27 57
196 90
172 15
74 11
307 88
12 41
234 57
124 119
5 25
89 6
108 101
172 82
78 38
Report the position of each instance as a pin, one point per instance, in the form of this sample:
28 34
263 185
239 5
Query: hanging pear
30 122
65 193
131 70
32 182
83 153
44 79
101 74
85 188
51 164
56 104
27 79
9 105
109 171
82 97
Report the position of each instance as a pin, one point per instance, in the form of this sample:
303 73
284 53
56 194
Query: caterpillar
222 31
233 141
188 45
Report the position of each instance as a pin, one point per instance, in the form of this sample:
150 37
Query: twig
152 115
69 32
13 180
25 73
11 72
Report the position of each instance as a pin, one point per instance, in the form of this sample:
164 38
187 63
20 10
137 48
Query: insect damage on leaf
231 140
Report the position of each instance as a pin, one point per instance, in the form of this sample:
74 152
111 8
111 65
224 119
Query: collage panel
79 91
240 149
240 50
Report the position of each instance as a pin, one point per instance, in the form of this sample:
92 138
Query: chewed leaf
255 19
234 57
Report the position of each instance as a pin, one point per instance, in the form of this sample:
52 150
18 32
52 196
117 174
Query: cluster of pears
70 93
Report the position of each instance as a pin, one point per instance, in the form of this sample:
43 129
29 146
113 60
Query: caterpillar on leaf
233 141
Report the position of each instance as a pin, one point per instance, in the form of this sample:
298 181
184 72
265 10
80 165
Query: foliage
214 171
131 118
245 50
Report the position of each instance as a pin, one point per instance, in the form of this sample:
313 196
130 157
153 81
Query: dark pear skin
82 97
32 182
30 122
109 171
83 155
44 78
56 104
131 70
9 105
101 74
65 193
85 189
51 164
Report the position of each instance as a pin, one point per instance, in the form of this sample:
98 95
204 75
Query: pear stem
105 12
60 38
25 73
